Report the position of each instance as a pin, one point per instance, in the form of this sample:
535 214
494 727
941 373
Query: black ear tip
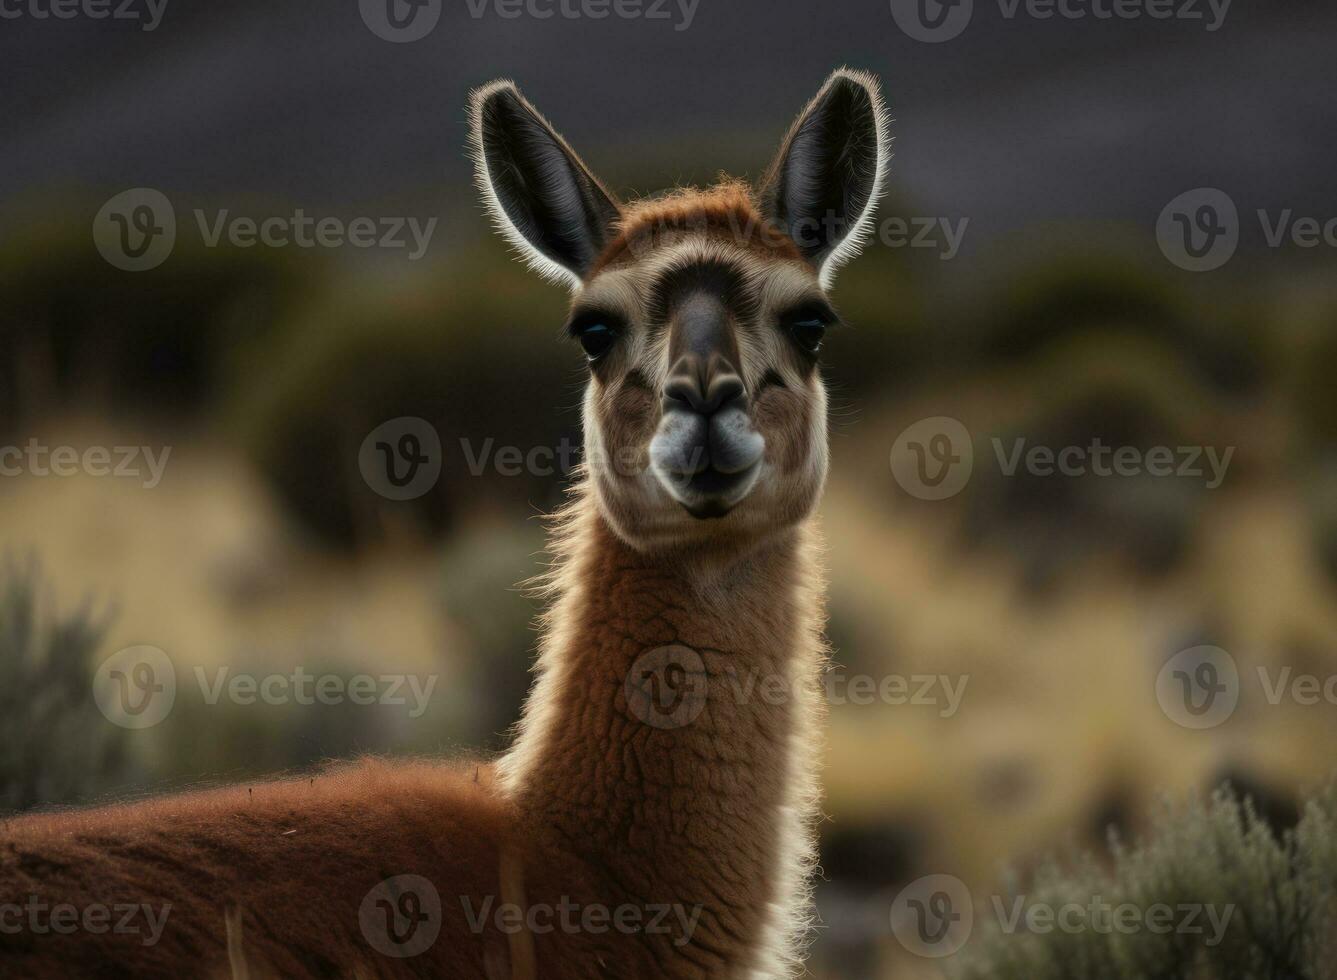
854 78
496 110
856 89
857 96
487 98
496 87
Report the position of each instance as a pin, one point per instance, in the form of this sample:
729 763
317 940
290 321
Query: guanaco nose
704 377
704 386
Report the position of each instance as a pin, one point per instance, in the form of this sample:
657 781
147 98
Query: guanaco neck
694 783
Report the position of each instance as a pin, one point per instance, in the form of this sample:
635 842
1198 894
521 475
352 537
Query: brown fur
293 857
684 814
726 211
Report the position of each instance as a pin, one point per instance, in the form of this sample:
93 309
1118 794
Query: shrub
483 362
76 331
1277 890
484 597
55 746
1058 295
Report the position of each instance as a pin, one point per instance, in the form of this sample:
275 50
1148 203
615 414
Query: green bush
55 746
74 330
482 359
1051 295
1278 892
484 598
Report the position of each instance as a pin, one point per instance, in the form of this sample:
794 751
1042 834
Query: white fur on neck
791 915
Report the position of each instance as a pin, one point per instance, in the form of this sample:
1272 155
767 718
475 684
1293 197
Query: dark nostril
683 394
721 391
724 390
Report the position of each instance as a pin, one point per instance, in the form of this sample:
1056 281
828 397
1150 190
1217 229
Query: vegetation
1274 896
55 746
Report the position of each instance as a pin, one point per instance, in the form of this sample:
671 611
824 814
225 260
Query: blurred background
1031 297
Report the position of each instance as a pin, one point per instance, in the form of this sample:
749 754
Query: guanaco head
701 313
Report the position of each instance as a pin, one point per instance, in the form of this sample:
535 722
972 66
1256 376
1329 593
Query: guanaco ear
543 199
823 187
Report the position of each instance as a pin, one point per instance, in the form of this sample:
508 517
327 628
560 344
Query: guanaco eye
596 338
808 334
